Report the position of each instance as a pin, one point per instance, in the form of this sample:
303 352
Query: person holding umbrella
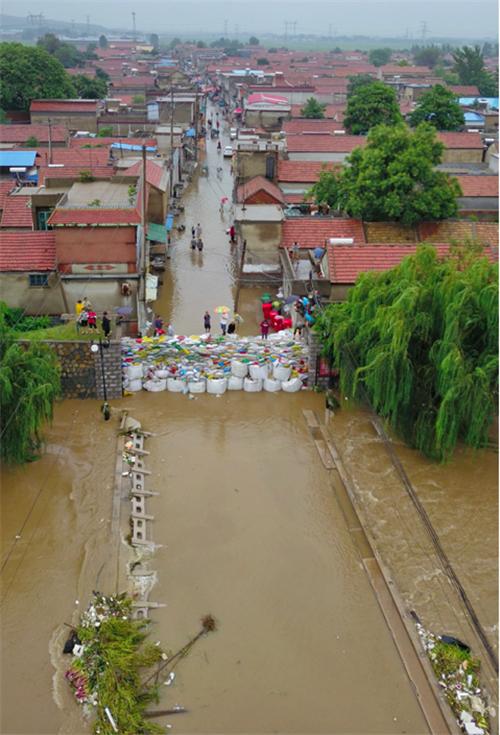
224 317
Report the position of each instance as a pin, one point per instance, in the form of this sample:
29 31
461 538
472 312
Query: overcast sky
346 17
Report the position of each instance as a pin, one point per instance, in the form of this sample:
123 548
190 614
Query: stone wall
81 369
314 377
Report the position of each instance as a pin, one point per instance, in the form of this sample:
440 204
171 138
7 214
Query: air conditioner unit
339 132
341 241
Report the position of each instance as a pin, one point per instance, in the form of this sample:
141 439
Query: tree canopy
103 41
440 108
369 105
393 178
90 89
469 65
358 80
29 384
29 72
253 41
379 56
427 56
66 53
420 342
313 109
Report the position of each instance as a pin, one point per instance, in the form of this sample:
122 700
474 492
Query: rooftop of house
28 251
68 105
461 140
156 174
259 183
16 212
324 143
303 125
92 143
478 186
94 217
335 111
311 233
110 195
21 133
464 90
459 231
306 172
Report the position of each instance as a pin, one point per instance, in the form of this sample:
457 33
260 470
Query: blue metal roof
128 147
491 102
17 158
169 222
191 133
473 117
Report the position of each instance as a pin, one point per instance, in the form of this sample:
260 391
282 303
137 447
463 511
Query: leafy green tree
379 56
105 132
138 99
3 118
313 109
29 384
262 61
50 42
66 53
101 74
427 56
326 190
32 142
175 42
103 41
253 41
358 80
370 105
440 108
469 65
420 342
201 44
90 89
29 72
394 178
154 40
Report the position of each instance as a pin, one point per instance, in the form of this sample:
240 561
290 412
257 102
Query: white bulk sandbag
234 383
174 385
291 386
272 385
259 372
134 385
134 372
239 369
217 386
251 385
282 372
197 386
162 373
155 386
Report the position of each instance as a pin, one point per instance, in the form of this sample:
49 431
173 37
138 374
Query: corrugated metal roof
17 158
127 147
156 232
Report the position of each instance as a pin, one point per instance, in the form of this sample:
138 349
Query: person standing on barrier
264 328
207 322
106 324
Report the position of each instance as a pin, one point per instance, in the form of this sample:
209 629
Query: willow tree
29 384
420 342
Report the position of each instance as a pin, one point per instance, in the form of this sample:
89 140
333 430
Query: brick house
72 114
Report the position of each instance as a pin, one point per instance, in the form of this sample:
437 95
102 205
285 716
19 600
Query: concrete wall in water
81 369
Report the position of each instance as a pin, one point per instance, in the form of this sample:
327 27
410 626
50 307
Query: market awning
238 111
157 233
169 222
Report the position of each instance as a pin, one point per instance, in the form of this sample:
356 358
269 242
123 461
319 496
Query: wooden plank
324 454
310 418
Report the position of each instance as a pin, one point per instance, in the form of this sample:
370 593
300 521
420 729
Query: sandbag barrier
197 364
140 520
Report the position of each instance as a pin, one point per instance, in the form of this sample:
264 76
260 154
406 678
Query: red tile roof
49 105
302 126
84 157
94 217
346 262
331 111
464 90
294 198
310 232
21 133
259 183
74 172
16 212
324 143
106 142
155 174
478 186
405 71
5 188
27 251
461 140
459 231
306 172
140 82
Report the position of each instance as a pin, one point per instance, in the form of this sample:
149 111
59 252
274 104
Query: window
40 280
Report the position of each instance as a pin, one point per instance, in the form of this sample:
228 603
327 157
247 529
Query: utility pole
196 115
133 27
144 264
225 28
88 25
50 139
171 141
424 29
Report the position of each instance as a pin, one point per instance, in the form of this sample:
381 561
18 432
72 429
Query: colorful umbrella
222 309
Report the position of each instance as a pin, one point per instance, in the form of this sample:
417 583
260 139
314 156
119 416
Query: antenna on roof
423 30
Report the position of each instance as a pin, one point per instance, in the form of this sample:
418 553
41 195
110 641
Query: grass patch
63 333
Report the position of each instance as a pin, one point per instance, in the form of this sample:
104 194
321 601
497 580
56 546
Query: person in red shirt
92 319
264 328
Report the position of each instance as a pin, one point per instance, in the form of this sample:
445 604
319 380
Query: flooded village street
251 531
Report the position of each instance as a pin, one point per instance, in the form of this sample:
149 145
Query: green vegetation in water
61 332
457 673
116 672
420 342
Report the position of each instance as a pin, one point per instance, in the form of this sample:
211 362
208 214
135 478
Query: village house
325 148
17 136
479 195
295 178
74 115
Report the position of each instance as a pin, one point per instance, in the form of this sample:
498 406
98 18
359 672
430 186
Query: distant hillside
18 23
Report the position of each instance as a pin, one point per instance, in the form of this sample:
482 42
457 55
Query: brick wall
81 369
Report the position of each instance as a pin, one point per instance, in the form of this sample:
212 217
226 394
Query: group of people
196 239
86 317
160 329
227 324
